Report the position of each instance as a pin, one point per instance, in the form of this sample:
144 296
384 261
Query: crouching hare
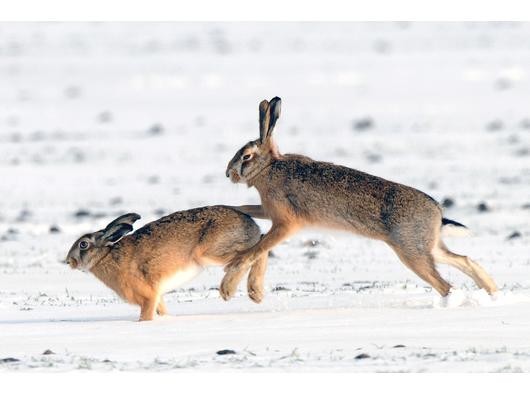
297 191
160 256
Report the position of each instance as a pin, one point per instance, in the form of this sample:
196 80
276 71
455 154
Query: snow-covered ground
101 119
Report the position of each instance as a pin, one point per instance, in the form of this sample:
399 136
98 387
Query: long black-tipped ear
129 218
275 106
118 228
263 120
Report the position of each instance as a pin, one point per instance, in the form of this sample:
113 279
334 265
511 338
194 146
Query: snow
101 119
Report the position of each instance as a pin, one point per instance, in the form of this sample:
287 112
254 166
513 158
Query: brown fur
136 265
297 191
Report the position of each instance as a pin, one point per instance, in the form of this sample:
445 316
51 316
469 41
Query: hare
297 191
163 254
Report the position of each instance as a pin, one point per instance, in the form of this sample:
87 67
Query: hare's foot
230 282
256 279
256 292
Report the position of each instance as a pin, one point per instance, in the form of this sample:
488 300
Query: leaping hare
297 191
163 254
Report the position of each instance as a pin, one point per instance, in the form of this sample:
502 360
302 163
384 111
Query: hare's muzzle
72 262
234 177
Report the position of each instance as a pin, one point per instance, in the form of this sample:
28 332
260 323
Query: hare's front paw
228 286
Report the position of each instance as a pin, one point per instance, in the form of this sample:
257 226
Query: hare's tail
453 228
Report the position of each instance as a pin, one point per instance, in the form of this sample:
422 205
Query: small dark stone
155 129
495 125
514 235
525 124
153 179
448 202
311 243
15 137
526 206
363 124
382 46
280 288
105 117
399 346
82 213
208 178
311 254
373 157
159 211
77 155
272 254
9 360
23 216
72 92
503 84
362 356
200 121
510 180
55 229
48 352
115 201
482 207
225 352
522 152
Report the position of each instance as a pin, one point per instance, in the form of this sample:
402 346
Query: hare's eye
83 245
247 156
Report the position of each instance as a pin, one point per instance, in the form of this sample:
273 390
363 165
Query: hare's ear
129 218
118 228
275 107
263 120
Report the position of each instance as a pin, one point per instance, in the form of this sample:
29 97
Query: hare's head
256 155
89 249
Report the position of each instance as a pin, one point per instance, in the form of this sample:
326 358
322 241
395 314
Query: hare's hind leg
231 279
230 282
466 265
422 263
256 278
254 283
